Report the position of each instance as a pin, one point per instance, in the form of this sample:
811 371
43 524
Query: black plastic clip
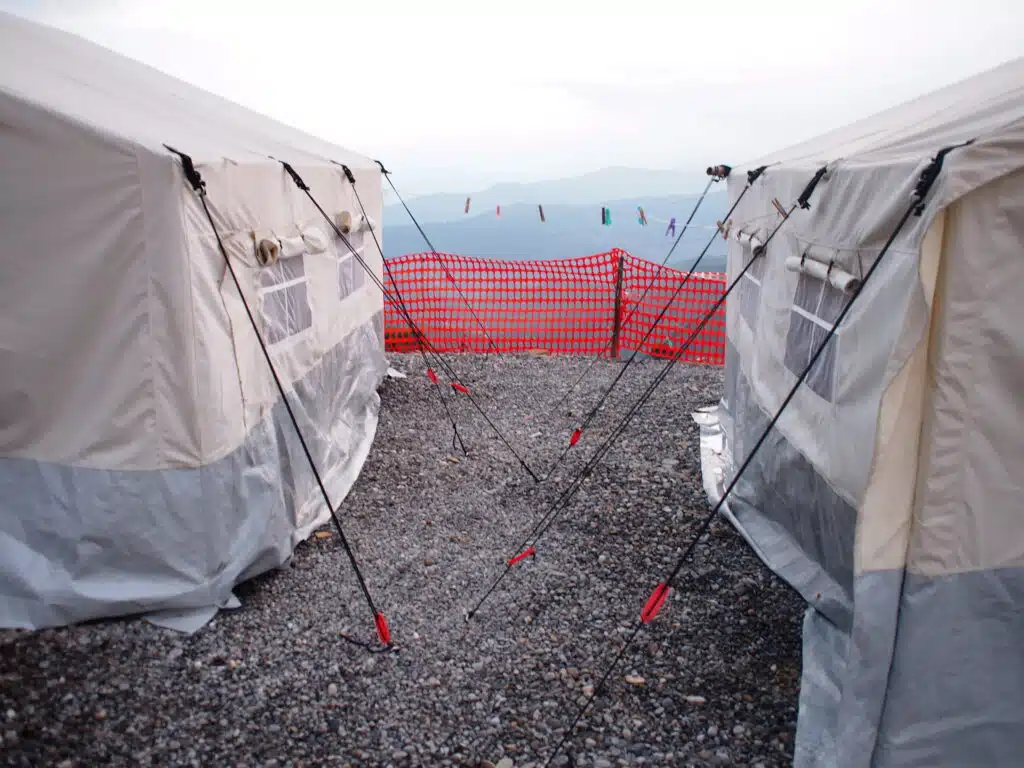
805 196
930 174
719 172
295 176
191 174
347 171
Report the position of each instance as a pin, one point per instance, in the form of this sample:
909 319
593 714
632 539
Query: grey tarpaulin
890 494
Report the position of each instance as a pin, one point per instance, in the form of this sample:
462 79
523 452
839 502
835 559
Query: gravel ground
713 681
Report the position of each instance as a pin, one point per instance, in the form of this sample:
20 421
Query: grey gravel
273 684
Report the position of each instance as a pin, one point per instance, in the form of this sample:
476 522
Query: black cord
542 525
412 323
447 272
394 284
654 279
545 522
199 186
622 371
368 647
917 206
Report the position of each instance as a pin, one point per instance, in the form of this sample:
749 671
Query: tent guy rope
661 592
456 383
647 289
752 176
548 519
195 180
457 442
528 545
387 175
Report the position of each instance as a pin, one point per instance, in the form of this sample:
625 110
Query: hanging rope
660 594
399 304
199 187
592 413
387 175
548 519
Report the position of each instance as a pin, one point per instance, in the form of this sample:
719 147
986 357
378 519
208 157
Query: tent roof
119 97
975 107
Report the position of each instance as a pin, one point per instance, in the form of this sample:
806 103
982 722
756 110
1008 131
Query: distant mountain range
595 188
572 226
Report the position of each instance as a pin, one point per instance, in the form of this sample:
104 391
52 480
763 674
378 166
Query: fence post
617 318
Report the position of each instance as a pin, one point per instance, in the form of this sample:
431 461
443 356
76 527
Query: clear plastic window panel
750 292
283 271
345 276
286 309
359 277
351 276
821 299
816 306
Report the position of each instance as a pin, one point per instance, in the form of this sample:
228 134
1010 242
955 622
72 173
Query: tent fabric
144 461
889 493
131 103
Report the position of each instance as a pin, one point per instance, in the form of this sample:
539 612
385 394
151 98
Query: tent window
732 372
351 275
816 306
750 292
286 310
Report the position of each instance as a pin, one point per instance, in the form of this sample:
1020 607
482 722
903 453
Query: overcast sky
457 100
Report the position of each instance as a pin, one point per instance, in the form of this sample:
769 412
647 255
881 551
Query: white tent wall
147 463
249 205
337 299
890 493
956 661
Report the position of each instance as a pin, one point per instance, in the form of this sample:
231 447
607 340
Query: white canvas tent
891 494
146 460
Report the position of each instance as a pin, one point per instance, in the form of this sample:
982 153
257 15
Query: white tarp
146 462
890 493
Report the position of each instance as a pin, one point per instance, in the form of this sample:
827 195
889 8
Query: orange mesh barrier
569 306
686 312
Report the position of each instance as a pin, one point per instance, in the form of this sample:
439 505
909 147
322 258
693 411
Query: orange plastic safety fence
683 317
566 306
